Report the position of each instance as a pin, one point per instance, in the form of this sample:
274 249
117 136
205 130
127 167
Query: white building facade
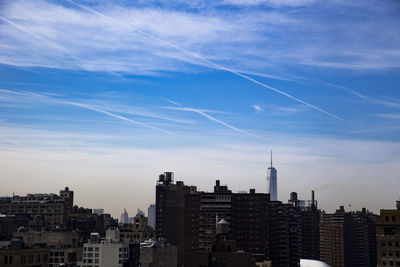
106 252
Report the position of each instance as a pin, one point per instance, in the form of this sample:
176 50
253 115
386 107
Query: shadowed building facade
388 237
170 211
348 238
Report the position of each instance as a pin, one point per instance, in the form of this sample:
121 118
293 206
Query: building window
96 249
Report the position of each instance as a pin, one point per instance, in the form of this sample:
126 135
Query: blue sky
104 95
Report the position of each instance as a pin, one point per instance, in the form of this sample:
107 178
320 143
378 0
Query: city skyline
102 97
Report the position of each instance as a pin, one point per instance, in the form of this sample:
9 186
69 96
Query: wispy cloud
211 118
209 62
369 99
257 108
395 116
32 96
251 40
290 109
113 115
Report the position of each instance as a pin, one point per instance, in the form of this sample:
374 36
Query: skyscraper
272 182
124 217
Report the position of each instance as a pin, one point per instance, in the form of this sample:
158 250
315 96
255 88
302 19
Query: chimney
312 198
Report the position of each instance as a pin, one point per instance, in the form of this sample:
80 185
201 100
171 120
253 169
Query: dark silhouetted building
310 217
348 238
284 231
157 253
51 208
245 213
170 211
258 226
388 237
224 252
84 222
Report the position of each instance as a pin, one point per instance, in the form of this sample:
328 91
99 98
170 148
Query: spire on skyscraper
272 181
271 158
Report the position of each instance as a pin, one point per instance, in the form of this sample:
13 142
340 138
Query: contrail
113 115
86 106
215 65
52 44
202 113
369 99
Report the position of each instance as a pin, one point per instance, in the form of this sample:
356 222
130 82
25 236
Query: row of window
57 253
387 218
25 259
390 253
90 249
390 243
390 263
90 261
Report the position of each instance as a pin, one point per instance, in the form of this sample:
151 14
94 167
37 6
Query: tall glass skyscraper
272 182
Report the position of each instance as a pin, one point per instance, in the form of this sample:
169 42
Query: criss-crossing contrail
52 44
86 106
93 108
215 65
208 116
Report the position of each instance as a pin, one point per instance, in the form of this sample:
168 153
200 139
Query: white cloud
64 36
395 116
257 108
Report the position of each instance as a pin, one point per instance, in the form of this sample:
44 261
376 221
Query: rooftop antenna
271 158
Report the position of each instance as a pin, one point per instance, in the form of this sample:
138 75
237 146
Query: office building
272 182
124 218
151 214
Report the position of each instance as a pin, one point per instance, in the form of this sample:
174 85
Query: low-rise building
53 209
13 254
105 252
